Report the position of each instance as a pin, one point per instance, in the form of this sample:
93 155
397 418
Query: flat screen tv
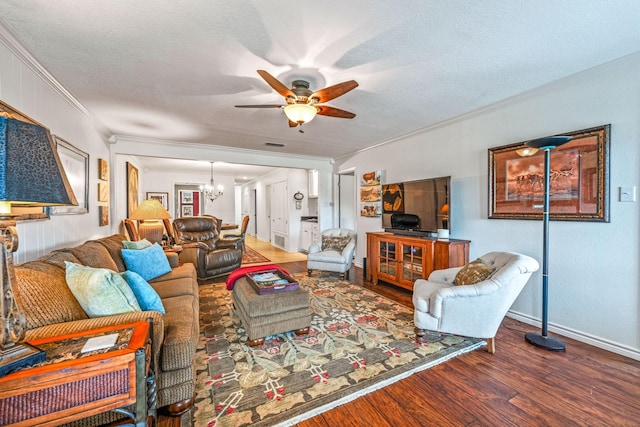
417 207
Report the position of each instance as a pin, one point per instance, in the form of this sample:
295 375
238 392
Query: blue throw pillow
148 263
147 297
100 292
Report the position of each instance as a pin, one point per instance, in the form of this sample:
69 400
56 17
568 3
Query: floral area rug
359 342
251 256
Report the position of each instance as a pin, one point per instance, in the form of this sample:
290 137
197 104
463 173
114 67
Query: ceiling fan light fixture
300 113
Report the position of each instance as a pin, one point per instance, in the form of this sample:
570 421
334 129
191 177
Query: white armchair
471 310
334 252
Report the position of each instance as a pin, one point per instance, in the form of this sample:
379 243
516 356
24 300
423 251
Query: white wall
593 267
23 87
297 180
223 207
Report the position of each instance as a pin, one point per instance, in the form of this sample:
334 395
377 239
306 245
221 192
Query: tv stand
410 232
401 260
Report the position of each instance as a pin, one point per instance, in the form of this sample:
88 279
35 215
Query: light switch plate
628 194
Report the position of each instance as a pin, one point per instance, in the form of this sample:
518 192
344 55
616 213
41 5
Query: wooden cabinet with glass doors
400 260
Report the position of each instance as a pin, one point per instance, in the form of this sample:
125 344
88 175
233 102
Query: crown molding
140 146
28 59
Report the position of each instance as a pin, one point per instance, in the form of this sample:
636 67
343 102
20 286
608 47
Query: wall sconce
298 197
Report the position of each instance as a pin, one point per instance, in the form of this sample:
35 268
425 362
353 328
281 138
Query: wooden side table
70 385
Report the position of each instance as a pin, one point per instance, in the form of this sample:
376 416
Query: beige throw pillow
474 272
336 243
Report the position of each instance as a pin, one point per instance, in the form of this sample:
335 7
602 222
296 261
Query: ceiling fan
302 103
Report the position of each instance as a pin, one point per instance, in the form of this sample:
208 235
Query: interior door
347 200
267 203
253 224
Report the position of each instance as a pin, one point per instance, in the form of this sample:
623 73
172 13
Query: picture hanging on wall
103 170
132 189
103 212
189 203
393 198
75 163
370 178
370 194
187 210
103 191
371 210
163 198
578 179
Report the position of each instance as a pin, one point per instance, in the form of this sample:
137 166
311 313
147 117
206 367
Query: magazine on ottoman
271 281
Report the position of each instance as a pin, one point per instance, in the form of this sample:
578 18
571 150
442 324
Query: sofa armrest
173 259
64 328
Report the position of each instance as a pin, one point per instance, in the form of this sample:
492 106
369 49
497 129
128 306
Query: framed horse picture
578 179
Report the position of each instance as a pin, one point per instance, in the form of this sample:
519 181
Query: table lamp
31 175
149 213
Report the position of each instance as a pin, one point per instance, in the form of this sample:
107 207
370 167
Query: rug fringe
346 399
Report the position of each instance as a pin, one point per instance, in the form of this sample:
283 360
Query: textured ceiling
174 70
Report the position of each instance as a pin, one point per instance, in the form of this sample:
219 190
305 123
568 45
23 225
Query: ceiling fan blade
331 92
325 110
260 106
275 83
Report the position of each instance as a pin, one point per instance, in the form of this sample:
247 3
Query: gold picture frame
103 212
103 170
579 179
103 191
132 189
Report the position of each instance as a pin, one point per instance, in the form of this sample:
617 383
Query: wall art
75 163
578 179
132 189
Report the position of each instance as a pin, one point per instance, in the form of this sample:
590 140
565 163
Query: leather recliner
202 245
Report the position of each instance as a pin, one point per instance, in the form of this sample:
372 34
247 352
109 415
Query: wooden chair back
131 229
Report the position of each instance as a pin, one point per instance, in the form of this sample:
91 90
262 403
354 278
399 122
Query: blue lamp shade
30 170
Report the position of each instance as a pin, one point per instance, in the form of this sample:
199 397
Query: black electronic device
417 208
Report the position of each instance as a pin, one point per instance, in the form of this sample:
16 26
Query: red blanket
240 272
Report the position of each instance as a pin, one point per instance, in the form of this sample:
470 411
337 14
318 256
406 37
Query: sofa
203 246
51 310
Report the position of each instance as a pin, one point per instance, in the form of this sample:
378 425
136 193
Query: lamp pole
543 340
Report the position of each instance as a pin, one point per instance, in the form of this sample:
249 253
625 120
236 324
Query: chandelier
210 191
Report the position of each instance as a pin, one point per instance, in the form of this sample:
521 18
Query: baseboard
611 346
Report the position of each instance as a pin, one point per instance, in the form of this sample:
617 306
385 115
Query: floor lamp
543 340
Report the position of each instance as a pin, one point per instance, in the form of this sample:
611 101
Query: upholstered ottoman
264 315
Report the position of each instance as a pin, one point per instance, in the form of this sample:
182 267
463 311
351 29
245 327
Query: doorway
187 200
347 200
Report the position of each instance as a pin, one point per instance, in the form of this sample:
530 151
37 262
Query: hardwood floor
519 385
